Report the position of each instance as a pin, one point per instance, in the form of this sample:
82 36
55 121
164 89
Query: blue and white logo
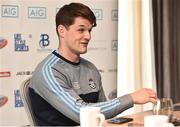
9 11
17 98
37 12
20 44
44 41
114 15
98 13
114 45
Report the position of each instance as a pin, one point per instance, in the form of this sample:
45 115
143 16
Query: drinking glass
164 106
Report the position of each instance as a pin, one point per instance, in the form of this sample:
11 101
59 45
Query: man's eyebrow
82 25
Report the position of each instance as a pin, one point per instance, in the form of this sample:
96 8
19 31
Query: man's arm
54 90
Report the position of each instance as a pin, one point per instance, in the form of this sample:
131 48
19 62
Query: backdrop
27 35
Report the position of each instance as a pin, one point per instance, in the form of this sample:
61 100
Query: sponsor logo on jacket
92 84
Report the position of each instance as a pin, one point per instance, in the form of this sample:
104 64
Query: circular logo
3 100
3 42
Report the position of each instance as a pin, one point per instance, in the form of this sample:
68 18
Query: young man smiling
64 82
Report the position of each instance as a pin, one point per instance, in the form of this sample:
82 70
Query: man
64 82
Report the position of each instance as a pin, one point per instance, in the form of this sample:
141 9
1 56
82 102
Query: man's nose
87 35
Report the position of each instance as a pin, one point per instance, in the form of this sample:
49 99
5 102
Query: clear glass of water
164 106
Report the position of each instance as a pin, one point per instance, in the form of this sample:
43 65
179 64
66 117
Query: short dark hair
67 14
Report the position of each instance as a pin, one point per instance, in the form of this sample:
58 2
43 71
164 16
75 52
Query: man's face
77 36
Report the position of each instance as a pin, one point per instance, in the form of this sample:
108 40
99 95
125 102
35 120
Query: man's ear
61 30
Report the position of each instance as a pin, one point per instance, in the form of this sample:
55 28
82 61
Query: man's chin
83 52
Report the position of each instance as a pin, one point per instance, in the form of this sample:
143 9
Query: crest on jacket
92 84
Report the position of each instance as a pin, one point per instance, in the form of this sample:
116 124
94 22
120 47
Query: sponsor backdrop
27 35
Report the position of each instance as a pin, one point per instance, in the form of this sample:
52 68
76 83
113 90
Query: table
138 119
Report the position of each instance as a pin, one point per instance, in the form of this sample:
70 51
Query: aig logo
37 12
11 11
114 45
98 13
114 15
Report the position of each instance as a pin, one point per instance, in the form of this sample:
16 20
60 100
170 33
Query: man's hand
143 96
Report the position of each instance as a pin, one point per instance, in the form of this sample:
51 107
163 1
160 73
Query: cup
164 106
91 117
157 121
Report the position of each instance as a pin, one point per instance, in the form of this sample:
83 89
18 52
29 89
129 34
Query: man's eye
81 30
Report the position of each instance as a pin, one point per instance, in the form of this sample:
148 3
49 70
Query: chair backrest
24 91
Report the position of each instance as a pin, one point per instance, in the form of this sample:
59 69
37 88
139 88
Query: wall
28 27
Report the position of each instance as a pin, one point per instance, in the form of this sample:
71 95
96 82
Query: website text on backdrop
64 82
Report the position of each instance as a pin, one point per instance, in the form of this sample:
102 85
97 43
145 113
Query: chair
24 91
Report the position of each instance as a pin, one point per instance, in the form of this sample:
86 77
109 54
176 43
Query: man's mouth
84 43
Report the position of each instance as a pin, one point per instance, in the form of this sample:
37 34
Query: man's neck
69 56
